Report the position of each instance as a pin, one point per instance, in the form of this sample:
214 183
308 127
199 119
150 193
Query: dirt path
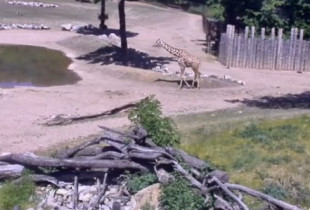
107 86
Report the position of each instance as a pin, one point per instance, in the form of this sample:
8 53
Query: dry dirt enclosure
105 85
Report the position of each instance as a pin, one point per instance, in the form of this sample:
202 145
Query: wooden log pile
114 152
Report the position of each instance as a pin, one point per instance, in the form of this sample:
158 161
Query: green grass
268 155
12 194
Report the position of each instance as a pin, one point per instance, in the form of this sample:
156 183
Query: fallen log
67 119
29 159
14 170
260 195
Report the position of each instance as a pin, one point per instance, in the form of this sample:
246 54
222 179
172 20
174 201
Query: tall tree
103 16
122 30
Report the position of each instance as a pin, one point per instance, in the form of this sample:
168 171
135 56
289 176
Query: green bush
12 194
162 130
276 191
179 195
137 182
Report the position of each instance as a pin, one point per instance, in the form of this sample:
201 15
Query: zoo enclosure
262 52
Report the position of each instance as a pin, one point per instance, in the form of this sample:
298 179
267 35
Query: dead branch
75 198
229 193
29 159
13 170
71 152
262 196
101 193
188 159
67 119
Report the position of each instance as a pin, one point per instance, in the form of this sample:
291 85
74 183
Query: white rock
66 27
85 197
75 28
227 77
104 207
62 192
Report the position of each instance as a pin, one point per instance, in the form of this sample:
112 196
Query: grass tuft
12 194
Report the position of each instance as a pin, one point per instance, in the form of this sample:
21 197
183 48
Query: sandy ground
24 109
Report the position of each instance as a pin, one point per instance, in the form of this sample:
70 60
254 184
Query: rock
148 195
66 27
62 192
76 28
163 176
104 207
227 77
85 197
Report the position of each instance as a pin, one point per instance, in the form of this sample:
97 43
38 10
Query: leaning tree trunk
102 16
122 29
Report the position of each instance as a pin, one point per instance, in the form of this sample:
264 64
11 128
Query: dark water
34 66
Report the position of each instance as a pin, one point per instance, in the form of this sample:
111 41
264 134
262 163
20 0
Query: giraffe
185 60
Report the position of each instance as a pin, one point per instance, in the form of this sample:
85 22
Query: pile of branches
113 150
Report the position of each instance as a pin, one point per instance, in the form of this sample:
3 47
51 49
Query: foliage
273 138
254 153
179 195
137 182
276 191
263 13
162 130
12 194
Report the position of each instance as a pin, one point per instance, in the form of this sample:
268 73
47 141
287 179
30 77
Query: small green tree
179 195
162 130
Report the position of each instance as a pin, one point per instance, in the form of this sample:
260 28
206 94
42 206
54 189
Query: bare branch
229 193
37 161
262 196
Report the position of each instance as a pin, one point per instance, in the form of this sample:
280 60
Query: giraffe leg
198 80
182 67
194 80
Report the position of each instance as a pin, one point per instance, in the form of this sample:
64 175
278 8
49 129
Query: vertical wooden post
245 50
300 53
252 50
294 44
231 32
279 49
76 193
274 49
238 63
262 53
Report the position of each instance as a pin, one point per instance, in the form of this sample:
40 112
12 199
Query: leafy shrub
12 194
276 191
162 130
138 182
179 195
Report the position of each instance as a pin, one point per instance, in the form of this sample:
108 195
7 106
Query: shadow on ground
288 101
205 83
98 31
113 55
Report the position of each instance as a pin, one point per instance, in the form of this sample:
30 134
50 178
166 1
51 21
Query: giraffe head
158 43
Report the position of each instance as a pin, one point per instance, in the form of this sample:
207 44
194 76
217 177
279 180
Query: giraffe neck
174 51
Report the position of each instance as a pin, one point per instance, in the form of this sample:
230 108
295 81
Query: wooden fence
262 52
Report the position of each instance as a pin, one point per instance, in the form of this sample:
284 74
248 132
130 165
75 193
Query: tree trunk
122 29
102 16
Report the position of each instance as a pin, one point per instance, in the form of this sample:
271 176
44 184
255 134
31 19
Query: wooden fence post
274 49
279 49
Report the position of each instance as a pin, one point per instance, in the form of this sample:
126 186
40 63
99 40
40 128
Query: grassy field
270 155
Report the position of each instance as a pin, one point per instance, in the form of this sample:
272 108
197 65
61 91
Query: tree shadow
113 55
90 30
288 101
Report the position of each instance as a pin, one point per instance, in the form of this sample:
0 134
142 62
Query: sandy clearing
107 86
